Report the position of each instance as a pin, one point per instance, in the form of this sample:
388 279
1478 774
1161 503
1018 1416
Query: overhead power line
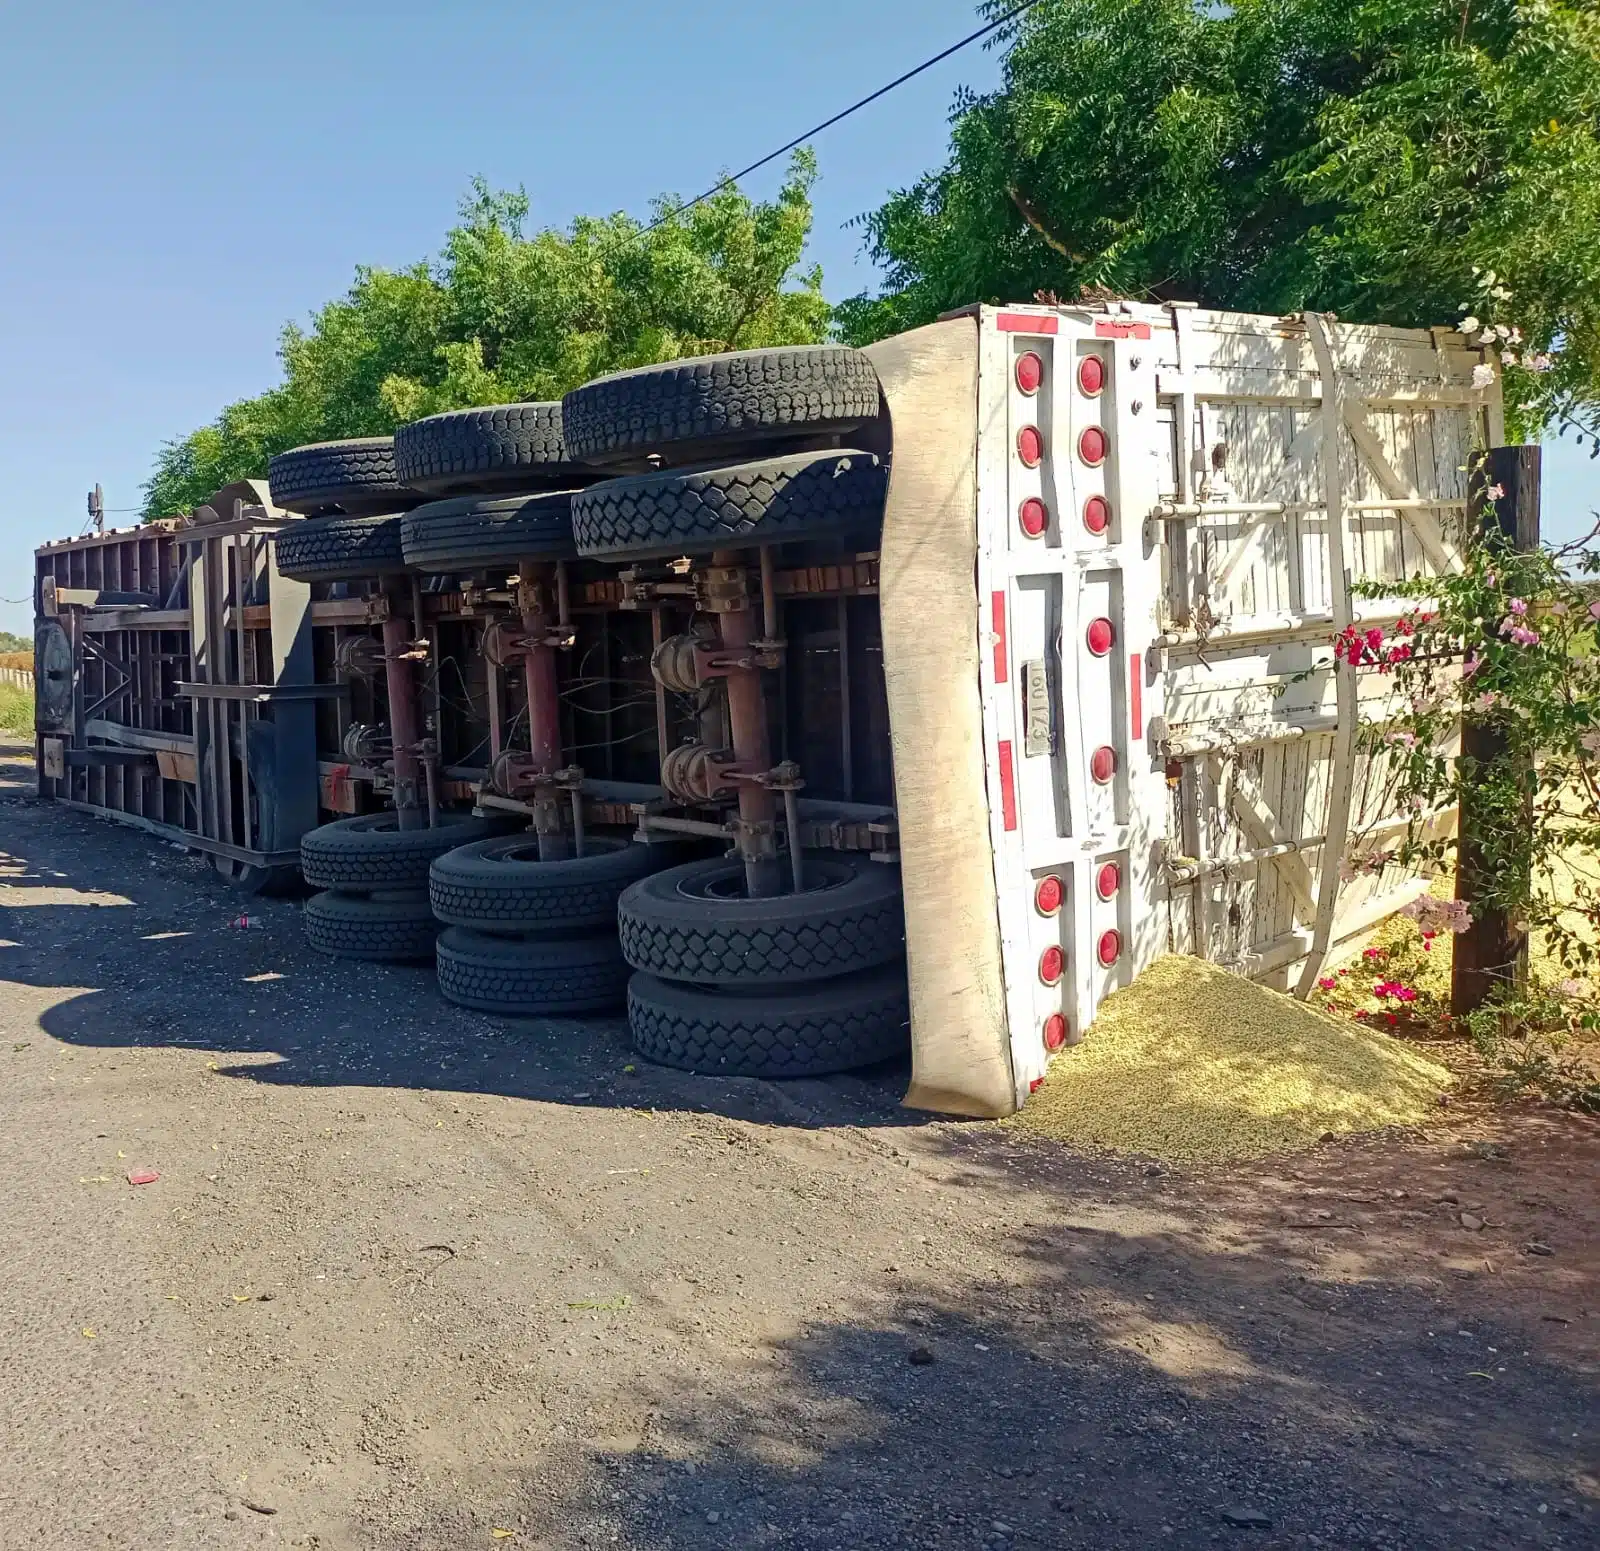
855 107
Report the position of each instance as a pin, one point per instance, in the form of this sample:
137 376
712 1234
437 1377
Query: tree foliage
1376 158
501 317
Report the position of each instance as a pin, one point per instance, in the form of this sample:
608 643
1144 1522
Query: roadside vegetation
16 711
503 316
1275 155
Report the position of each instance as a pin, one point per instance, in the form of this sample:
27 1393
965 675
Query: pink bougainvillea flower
1487 701
1361 1012
1374 637
1518 606
1372 953
1594 609
1391 1018
1327 983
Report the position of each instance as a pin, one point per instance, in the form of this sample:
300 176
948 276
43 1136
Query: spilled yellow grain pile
1194 1064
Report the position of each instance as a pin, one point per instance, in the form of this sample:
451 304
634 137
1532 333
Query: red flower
1391 1017
1361 1012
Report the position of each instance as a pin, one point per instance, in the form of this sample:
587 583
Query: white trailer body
1118 543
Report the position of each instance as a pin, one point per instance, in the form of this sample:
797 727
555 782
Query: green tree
1399 161
501 317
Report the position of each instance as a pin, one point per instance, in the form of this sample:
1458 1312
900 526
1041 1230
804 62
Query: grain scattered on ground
1194 1064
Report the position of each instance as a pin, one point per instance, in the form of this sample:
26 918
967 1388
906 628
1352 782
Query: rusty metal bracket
505 644
645 587
477 600
785 778
721 589
713 662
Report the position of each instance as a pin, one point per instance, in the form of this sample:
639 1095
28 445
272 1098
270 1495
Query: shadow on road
1117 1389
166 966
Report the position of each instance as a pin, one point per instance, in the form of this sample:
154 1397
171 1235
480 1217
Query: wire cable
855 107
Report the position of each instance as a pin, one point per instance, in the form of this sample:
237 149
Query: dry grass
17 660
1194 1064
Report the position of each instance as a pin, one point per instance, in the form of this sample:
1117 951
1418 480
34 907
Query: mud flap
961 1052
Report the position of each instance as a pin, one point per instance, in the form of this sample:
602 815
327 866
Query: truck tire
355 477
829 1028
803 496
524 979
710 404
501 887
338 549
472 532
694 923
349 926
371 851
497 447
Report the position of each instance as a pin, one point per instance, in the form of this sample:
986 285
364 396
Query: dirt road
417 1279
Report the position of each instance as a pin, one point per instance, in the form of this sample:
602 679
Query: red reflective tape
1032 323
1008 788
1001 668
1122 330
1136 694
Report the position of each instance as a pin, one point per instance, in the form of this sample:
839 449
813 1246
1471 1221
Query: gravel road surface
417 1279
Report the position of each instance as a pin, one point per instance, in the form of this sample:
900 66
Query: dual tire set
374 881
533 938
722 453
731 453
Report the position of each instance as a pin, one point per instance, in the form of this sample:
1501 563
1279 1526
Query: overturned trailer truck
808 695
1117 543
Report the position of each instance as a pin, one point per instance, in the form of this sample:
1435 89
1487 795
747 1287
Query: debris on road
143 1177
1195 1064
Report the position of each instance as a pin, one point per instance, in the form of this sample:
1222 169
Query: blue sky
180 179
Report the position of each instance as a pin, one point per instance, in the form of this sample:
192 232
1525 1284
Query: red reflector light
1047 897
1092 446
1103 764
1097 514
1101 636
1030 446
1034 516
1055 1031
1030 372
1110 949
1092 374
1008 787
1108 880
1052 966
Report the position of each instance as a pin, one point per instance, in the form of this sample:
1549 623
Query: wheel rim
727 884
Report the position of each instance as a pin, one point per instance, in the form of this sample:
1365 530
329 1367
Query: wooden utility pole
1493 951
